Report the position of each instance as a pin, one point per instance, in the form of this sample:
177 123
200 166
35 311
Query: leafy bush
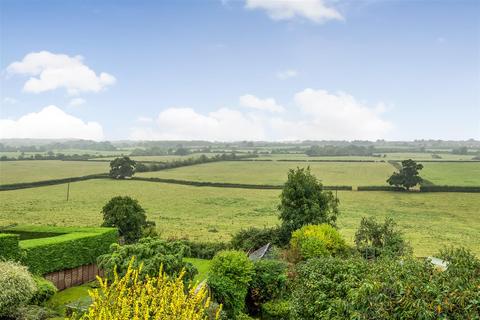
16 287
276 310
268 282
204 250
34 312
229 276
152 254
128 216
254 238
9 249
45 290
159 297
303 202
317 240
373 239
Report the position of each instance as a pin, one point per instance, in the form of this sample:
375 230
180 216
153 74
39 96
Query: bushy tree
128 216
408 175
160 297
17 287
229 277
151 254
303 201
121 168
313 241
254 238
373 239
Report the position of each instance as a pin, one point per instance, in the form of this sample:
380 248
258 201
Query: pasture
38 170
429 220
453 174
388 156
275 173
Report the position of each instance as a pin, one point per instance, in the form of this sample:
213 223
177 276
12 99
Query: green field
453 174
272 172
163 158
429 220
38 170
388 156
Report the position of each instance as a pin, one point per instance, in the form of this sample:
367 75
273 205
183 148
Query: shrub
16 287
45 290
159 297
204 250
254 238
127 215
229 276
276 310
303 202
34 312
317 240
268 282
9 249
151 254
373 239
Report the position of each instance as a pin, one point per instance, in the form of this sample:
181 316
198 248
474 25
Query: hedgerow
9 249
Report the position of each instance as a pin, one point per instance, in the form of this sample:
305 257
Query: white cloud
51 71
50 123
286 74
314 10
75 102
318 115
9 100
144 119
268 104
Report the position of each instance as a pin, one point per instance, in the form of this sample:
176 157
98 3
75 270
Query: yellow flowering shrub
161 297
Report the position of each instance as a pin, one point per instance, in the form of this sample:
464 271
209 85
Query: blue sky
234 70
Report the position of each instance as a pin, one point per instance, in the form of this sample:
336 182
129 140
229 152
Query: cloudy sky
240 70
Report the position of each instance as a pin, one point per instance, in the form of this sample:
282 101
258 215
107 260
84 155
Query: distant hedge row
74 247
379 188
435 188
24 185
226 184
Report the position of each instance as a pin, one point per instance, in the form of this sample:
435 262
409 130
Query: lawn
273 172
452 174
429 220
202 265
38 170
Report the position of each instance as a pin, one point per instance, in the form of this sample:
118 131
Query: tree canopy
120 168
408 176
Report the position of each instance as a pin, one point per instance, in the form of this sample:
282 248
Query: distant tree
182 151
303 201
127 215
120 168
408 176
460 150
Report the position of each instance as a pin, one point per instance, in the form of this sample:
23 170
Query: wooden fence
73 277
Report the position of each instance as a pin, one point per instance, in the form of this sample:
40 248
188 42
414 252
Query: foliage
204 250
9 249
127 215
373 239
229 277
254 238
349 150
313 241
121 168
45 290
34 312
151 254
268 282
304 202
16 287
159 297
408 176
276 310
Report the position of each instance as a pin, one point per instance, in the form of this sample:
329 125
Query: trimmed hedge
227 184
434 188
9 248
73 248
379 188
24 185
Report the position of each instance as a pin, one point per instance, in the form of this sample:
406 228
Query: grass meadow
429 220
388 156
38 170
272 172
453 174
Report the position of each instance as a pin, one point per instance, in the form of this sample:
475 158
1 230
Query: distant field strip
39 170
275 173
429 220
452 174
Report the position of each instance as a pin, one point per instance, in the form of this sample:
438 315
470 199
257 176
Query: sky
225 70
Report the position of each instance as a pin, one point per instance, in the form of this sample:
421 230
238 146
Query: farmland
459 174
429 220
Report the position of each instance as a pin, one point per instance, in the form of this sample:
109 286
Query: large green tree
303 201
127 215
123 167
408 176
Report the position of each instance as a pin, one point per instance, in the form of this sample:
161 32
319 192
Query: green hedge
74 247
434 188
25 185
379 188
9 248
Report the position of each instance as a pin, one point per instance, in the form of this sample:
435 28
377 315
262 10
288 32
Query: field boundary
25 185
